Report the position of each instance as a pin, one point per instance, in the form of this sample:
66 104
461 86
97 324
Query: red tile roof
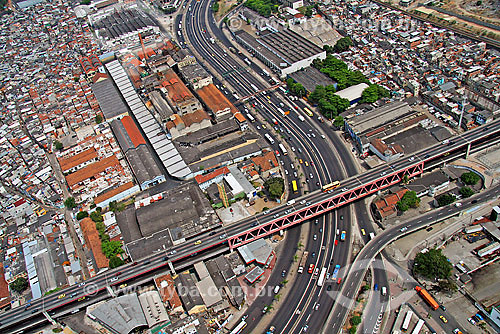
214 99
133 131
207 177
113 192
92 170
266 162
77 159
168 293
177 90
92 240
195 117
4 289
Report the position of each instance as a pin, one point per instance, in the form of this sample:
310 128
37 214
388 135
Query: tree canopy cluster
409 200
19 285
432 265
295 88
470 178
275 186
446 199
82 214
329 104
342 45
70 202
373 93
263 7
337 70
466 192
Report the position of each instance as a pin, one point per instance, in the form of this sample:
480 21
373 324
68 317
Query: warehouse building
285 52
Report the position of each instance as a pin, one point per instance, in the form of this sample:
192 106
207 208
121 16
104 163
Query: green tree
355 320
58 145
111 248
446 199
402 206
373 93
469 178
85 2
215 6
115 262
432 265
19 285
112 206
275 186
405 179
466 192
70 203
353 329
447 285
82 214
96 216
98 119
308 12
338 122
343 44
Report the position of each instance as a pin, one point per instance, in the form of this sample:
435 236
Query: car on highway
316 307
311 176
411 159
342 236
81 298
114 279
300 161
457 331
363 231
222 236
313 255
311 268
295 174
258 127
341 217
73 295
197 242
173 252
315 237
303 202
306 163
316 222
304 329
286 172
317 183
442 307
339 280
293 150
471 321
254 224
345 189
81 284
122 285
264 310
276 215
61 296
283 273
375 287
443 319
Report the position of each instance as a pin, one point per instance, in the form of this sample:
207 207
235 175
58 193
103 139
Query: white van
384 291
290 202
276 289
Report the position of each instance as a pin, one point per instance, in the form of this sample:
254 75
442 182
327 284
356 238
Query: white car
286 172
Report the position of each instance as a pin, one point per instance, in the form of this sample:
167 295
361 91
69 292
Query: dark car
474 201
34 311
165 258
283 273
118 273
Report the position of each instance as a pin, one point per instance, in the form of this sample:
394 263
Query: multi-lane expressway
345 298
246 230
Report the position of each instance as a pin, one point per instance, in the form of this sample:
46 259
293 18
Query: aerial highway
355 273
307 207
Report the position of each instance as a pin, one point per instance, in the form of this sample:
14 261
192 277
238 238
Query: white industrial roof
174 164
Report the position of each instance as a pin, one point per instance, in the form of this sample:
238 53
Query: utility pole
462 112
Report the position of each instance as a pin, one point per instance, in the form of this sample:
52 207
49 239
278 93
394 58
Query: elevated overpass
252 228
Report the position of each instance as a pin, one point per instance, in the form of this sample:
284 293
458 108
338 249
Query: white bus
238 329
250 117
407 320
269 138
283 149
322 276
254 87
372 235
265 72
418 327
283 89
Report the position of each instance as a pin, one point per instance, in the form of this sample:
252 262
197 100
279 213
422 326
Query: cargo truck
427 297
